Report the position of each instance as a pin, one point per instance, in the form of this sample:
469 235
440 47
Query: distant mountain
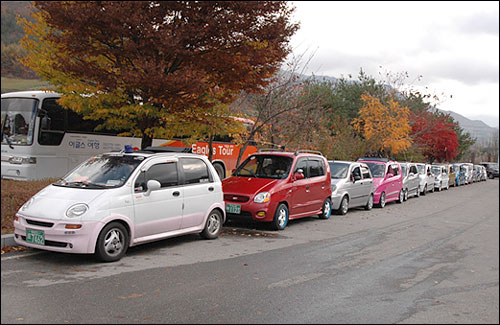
477 129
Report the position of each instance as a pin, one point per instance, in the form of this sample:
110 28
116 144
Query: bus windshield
105 171
18 120
263 166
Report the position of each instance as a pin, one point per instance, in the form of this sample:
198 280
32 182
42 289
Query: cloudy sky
453 45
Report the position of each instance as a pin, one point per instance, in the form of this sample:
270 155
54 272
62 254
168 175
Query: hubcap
327 209
213 224
382 200
282 218
344 206
370 202
113 242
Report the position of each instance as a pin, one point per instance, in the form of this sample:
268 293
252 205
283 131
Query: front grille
242 215
51 243
236 198
39 223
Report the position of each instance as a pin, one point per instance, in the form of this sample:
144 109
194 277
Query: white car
441 177
411 180
426 178
116 200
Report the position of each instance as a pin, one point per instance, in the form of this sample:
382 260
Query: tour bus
41 140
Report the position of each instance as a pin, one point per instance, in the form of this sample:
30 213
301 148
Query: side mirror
298 176
153 185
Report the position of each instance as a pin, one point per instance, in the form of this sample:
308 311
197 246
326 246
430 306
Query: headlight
22 160
27 204
77 210
334 187
262 197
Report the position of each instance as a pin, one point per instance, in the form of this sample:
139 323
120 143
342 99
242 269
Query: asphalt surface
433 259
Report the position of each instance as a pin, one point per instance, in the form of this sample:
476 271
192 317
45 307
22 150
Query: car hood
247 185
53 201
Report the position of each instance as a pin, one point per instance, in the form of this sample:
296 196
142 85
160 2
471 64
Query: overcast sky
453 45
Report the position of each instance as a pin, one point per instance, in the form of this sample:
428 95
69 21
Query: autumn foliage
145 61
384 126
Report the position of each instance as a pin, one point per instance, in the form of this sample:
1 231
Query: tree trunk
210 146
240 154
147 141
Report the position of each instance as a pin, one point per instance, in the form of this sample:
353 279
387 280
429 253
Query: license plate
35 236
233 208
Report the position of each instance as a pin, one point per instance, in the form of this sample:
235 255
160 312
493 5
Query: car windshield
421 169
265 166
104 171
18 120
436 170
378 170
338 170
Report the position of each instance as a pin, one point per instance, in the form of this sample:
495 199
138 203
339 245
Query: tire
369 204
405 195
418 192
424 192
116 237
326 210
219 168
381 202
280 219
213 226
401 196
344 206
440 186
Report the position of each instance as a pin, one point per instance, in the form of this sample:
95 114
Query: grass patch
14 195
15 84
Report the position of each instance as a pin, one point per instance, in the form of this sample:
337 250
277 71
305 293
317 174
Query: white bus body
36 148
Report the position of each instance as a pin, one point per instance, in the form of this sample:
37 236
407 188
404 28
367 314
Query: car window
266 166
366 172
195 171
302 164
165 173
316 168
413 169
356 172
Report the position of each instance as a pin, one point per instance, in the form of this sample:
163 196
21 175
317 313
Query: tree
135 64
384 126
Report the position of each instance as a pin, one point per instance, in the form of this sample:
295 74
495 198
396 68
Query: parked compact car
476 170
484 173
387 180
469 173
411 181
426 178
117 200
452 174
352 185
441 177
491 169
460 174
276 187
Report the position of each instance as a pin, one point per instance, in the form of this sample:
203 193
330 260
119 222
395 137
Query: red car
276 186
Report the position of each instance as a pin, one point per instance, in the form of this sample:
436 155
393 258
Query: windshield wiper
84 184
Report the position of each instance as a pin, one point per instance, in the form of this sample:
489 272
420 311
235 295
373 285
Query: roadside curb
8 240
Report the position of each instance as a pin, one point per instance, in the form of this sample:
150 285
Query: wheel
440 186
418 192
369 204
344 206
280 217
213 227
401 196
220 170
112 242
433 188
326 211
424 192
381 202
405 195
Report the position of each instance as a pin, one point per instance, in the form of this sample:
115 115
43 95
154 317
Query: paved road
433 259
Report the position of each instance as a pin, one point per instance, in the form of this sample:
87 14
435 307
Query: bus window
52 123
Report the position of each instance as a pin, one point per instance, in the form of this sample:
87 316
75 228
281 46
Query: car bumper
336 199
57 237
249 210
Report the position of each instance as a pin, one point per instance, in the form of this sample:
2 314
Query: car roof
287 154
146 154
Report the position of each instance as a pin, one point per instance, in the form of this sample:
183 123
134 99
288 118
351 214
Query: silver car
441 177
411 180
426 178
352 185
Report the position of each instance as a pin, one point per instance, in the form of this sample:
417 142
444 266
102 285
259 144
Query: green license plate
35 237
233 208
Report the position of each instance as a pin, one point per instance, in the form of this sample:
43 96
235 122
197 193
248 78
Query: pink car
387 180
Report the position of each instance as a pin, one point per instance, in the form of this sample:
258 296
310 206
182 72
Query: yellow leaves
385 127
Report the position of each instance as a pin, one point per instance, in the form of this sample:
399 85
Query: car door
200 191
317 183
413 179
356 187
300 196
367 184
160 211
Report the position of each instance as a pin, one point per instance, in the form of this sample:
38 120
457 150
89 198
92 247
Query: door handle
176 193
211 188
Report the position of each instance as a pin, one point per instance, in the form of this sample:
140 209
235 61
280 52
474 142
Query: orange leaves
385 127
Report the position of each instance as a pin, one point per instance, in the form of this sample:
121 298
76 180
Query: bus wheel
220 170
